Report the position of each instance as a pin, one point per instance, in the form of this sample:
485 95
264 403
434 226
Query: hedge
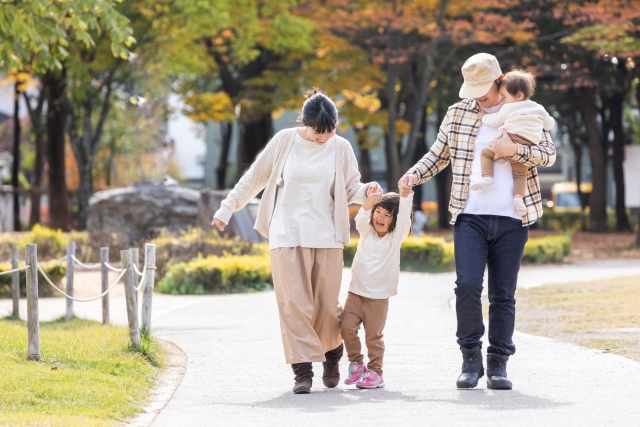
214 274
55 272
197 242
548 249
242 273
416 254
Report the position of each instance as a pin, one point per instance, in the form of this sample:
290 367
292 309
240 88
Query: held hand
374 193
408 180
405 190
504 146
221 225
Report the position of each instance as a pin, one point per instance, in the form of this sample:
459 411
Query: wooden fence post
135 259
15 283
104 273
129 288
71 252
147 289
33 324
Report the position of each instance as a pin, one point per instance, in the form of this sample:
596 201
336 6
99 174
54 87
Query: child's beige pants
307 284
372 314
519 170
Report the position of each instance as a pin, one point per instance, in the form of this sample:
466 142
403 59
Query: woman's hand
221 225
408 180
374 194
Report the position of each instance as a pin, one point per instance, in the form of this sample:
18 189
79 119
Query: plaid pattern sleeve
454 145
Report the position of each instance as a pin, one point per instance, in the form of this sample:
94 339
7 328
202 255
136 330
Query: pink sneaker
356 371
371 380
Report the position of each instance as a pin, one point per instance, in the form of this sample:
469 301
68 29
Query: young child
524 120
382 225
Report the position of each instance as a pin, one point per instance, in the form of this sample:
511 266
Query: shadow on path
330 400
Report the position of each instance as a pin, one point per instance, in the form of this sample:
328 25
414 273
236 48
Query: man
487 229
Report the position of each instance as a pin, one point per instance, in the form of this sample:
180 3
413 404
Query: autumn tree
36 36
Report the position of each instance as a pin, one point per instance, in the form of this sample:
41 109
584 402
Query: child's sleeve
549 122
362 221
495 120
403 223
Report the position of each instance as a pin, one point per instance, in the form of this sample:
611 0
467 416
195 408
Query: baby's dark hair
318 112
518 80
391 203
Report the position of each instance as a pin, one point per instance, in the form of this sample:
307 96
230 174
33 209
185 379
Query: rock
139 210
241 223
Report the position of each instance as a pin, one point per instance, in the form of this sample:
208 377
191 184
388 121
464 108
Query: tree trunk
255 133
38 175
418 153
59 216
615 117
391 151
362 136
85 191
226 130
597 155
16 159
444 180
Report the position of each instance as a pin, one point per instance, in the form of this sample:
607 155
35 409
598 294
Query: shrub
546 249
188 245
426 253
54 271
214 274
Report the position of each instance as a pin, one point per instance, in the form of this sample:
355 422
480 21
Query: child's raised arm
495 120
364 214
403 223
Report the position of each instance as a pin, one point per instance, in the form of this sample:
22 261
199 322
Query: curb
167 383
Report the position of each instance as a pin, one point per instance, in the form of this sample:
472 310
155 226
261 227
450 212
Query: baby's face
508 98
382 219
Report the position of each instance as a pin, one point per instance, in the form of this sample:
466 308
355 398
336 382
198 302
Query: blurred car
565 196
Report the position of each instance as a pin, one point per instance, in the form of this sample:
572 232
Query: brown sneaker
304 375
331 374
303 386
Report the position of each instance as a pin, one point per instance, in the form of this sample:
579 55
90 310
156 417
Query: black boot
497 372
304 375
472 369
331 374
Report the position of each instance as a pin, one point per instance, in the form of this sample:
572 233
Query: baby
524 120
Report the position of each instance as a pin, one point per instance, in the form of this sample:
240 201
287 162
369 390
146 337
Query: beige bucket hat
479 72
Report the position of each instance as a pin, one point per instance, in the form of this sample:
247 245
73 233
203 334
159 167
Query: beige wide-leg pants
307 283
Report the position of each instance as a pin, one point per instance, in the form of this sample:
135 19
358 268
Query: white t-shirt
376 265
496 199
304 210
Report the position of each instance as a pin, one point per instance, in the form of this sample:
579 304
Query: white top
525 118
496 199
304 209
376 266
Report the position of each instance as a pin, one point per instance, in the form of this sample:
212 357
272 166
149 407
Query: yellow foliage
210 106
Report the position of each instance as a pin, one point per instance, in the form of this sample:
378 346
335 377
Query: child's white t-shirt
376 265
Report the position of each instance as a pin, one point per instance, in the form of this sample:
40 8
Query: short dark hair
391 203
518 80
318 112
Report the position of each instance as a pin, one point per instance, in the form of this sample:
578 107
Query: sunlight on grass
87 375
590 314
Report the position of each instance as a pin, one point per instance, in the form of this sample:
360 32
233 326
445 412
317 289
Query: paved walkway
236 373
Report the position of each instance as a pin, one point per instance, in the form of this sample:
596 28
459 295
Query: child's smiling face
382 219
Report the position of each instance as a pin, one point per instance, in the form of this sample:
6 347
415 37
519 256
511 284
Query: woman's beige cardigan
266 173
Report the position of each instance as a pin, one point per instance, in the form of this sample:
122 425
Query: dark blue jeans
498 243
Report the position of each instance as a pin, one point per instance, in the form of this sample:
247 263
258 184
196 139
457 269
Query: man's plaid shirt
454 145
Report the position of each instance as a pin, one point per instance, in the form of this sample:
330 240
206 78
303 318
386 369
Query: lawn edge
168 380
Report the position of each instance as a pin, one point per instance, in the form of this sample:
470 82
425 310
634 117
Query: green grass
99 381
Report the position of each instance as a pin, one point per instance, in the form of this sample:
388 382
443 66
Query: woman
309 176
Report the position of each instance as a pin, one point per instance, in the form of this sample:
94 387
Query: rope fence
128 271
